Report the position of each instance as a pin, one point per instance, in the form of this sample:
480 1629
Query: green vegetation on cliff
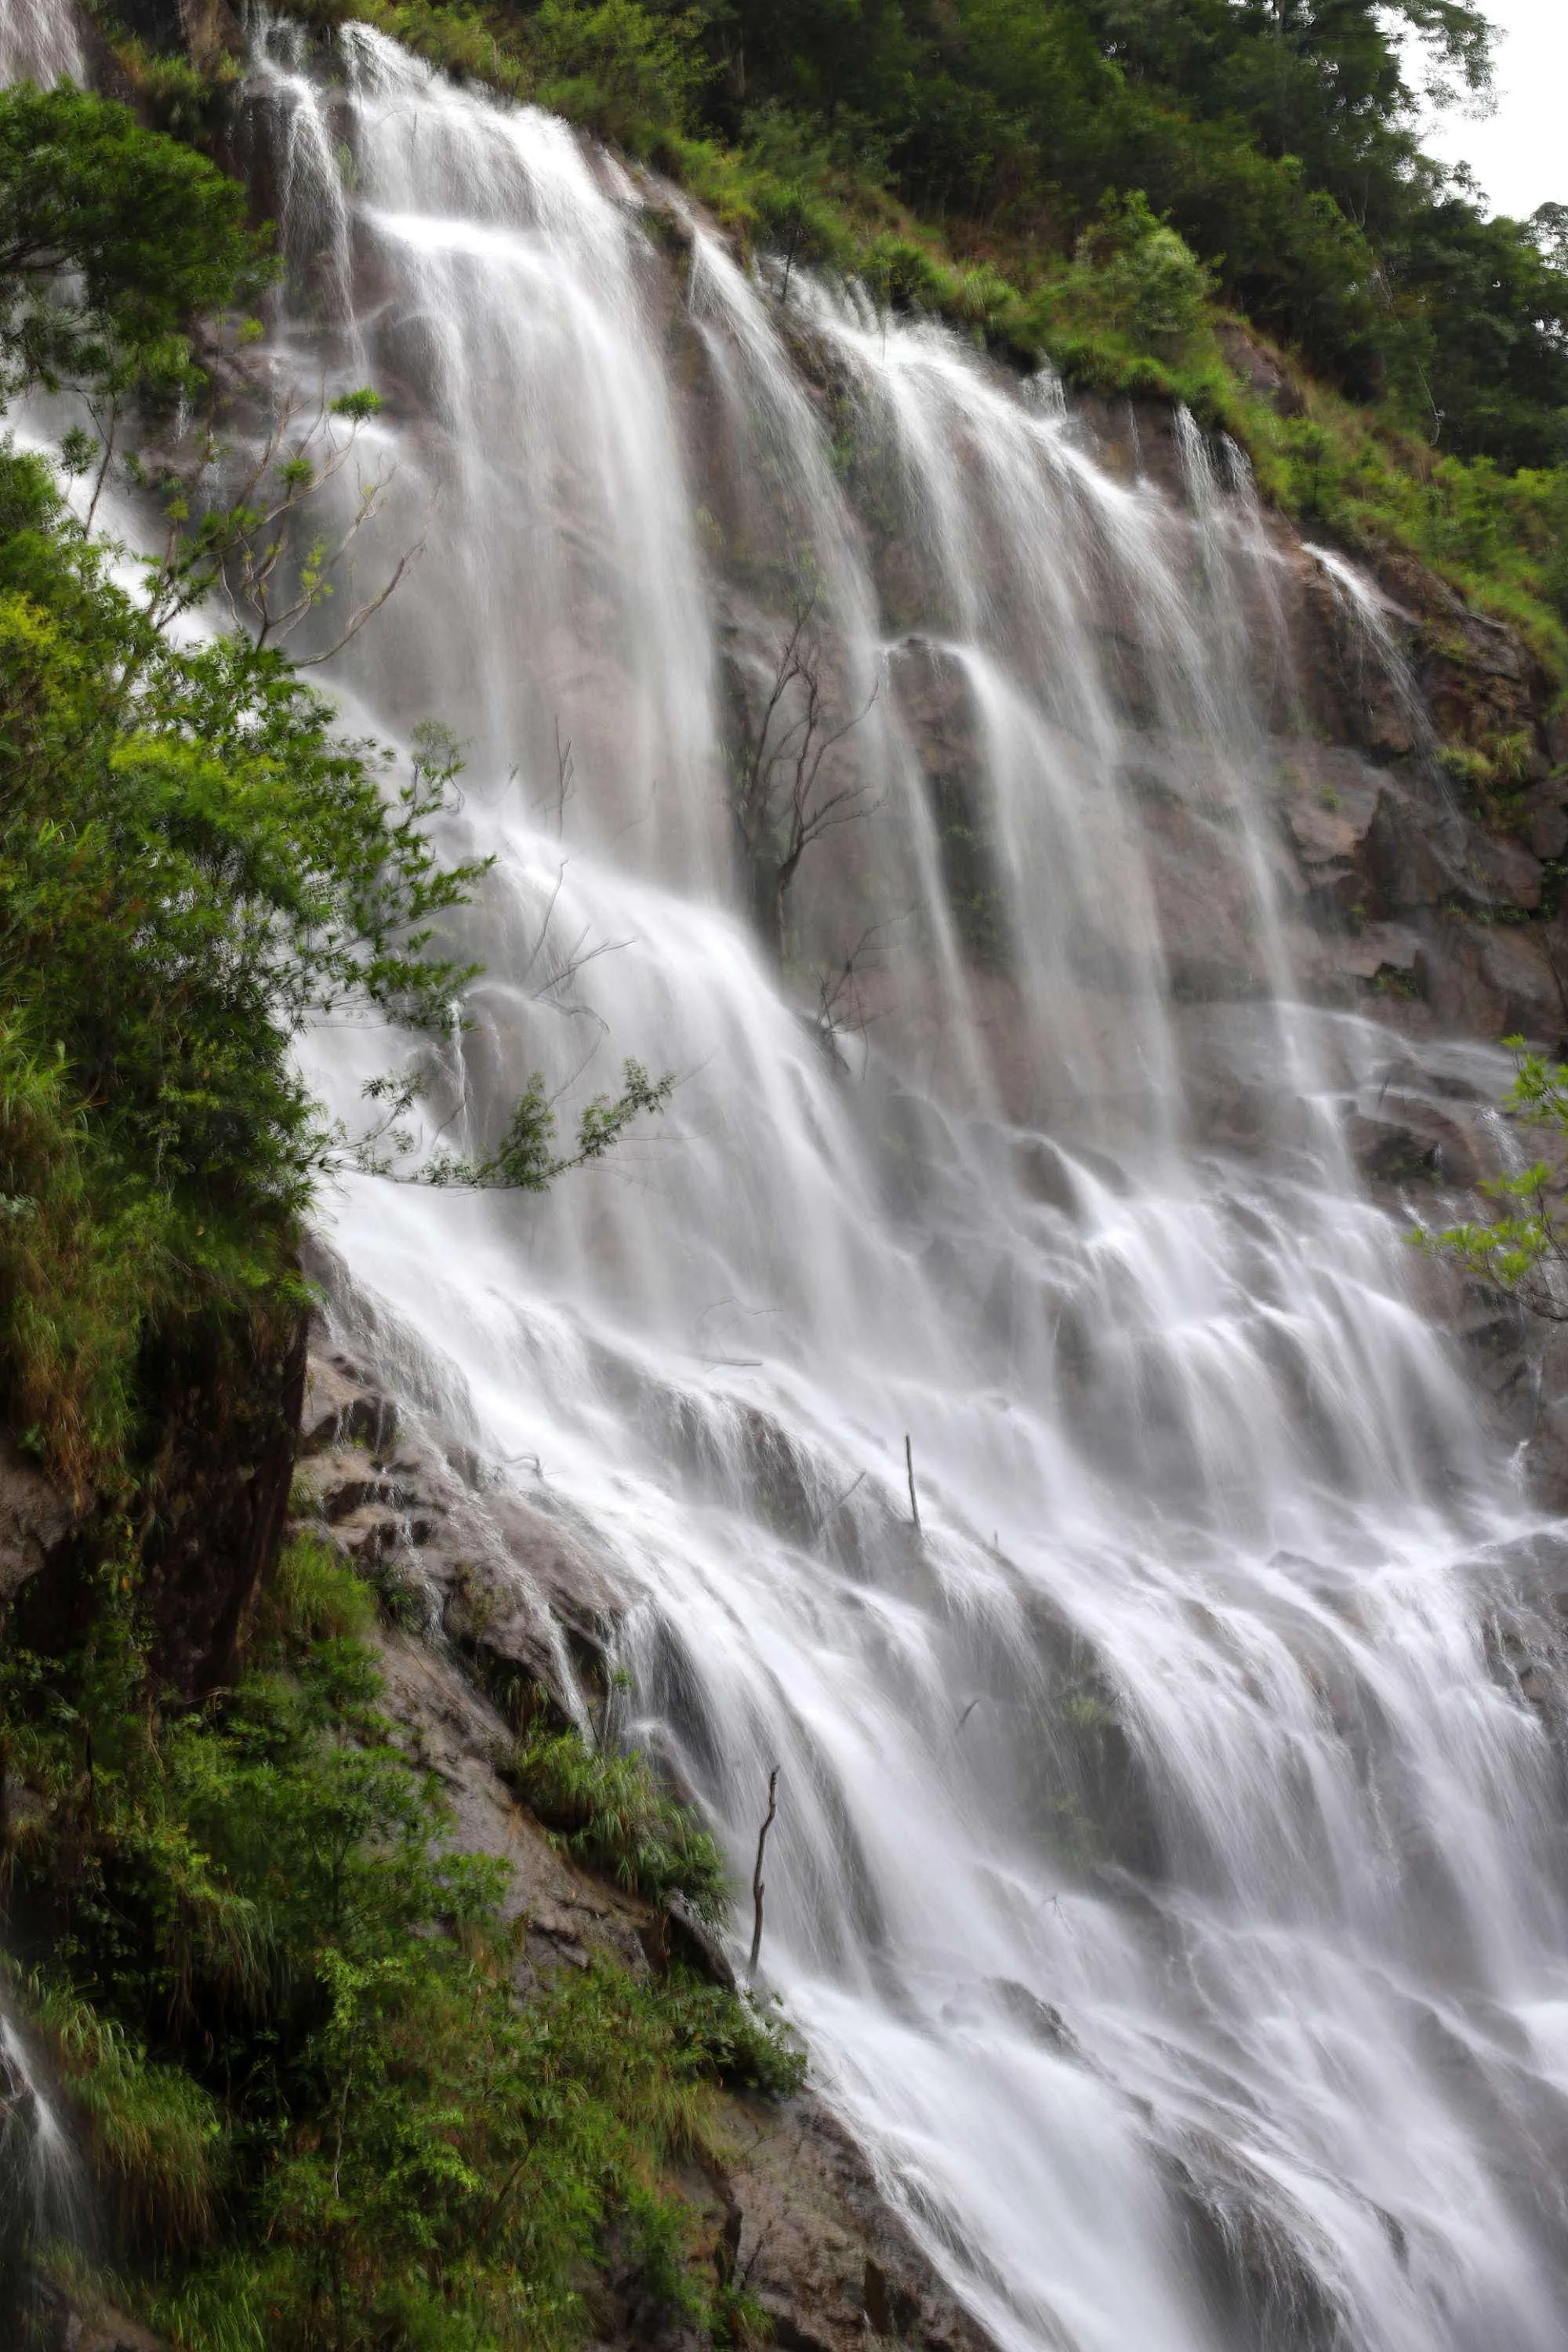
285 2011
1222 202
324 2106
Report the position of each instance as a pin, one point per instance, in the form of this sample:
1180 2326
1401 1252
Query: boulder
1545 816
36 1519
504 1580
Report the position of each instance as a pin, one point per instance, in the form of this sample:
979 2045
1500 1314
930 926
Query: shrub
903 275
155 2136
633 76
314 1594
609 1811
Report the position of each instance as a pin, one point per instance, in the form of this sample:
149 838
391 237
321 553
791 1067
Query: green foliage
191 862
286 2010
1498 538
609 1810
1523 1247
633 74
525 1159
903 275
1151 277
111 238
313 1595
1133 310
176 96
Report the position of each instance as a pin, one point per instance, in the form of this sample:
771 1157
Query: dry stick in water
758 1890
915 1498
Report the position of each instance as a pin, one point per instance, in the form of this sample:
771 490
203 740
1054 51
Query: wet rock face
822 2254
65 2323
36 1519
454 1550
1438 803
1412 821
221 1404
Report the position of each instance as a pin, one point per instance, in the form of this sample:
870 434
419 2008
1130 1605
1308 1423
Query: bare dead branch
840 1007
781 800
758 1888
565 779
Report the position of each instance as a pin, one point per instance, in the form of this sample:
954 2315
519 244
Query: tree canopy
1278 137
113 238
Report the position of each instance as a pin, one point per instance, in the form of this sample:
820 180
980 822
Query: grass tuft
609 1812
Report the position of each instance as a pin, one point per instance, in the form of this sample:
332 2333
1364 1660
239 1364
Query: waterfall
1170 1891
42 2198
1167 1889
39 43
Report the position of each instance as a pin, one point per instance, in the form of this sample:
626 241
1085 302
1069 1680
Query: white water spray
38 42
1196 1984
1172 1894
43 2193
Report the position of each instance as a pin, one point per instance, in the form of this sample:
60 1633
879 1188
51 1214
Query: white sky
1519 154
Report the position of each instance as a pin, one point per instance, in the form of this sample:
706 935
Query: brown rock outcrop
465 1554
791 2209
36 1519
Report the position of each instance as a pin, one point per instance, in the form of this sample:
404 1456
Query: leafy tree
1482 340
113 238
1277 138
194 861
616 66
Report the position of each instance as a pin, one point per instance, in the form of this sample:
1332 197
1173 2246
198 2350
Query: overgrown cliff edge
771 1152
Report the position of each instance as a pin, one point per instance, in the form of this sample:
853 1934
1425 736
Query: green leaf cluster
330 2109
112 239
1523 1248
608 1810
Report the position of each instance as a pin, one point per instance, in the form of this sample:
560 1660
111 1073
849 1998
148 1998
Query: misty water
44 2195
38 42
1171 1896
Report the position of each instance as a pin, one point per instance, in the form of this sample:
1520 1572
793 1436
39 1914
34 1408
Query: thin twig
837 1504
758 1889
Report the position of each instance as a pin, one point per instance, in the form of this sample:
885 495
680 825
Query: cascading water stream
1171 1897
38 42
1225 1922
42 2191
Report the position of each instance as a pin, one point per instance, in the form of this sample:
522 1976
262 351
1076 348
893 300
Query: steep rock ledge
221 1403
500 1606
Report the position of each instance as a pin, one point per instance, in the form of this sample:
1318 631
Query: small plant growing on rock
612 1815
1523 1247
609 1811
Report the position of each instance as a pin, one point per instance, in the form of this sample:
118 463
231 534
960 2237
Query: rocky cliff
1414 822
